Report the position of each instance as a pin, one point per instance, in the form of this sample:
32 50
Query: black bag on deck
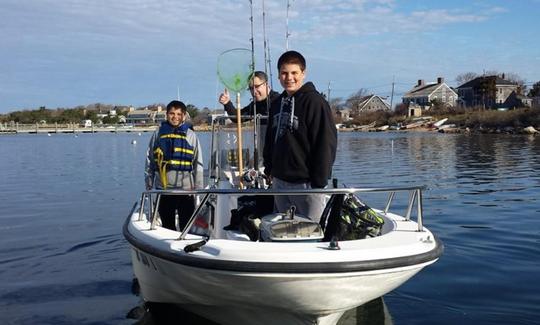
246 218
349 219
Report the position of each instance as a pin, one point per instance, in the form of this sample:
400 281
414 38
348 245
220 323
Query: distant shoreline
146 129
75 129
454 130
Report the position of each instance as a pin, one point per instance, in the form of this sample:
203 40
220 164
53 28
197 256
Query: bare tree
401 109
512 77
355 99
515 78
335 105
466 77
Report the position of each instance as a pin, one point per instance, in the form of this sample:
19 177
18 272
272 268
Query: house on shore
425 94
492 92
152 115
160 116
141 116
343 114
535 102
369 103
516 100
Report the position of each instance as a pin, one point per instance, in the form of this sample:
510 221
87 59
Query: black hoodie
301 147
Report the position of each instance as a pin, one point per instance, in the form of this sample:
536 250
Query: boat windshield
225 153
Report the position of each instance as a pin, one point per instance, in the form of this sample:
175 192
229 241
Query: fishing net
234 69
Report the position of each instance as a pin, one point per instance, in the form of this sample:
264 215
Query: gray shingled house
370 103
489 92
424 94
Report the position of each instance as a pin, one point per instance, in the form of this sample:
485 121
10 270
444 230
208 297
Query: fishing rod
252 82
267 65
252 39
267 61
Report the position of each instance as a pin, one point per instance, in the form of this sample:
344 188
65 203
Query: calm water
63 259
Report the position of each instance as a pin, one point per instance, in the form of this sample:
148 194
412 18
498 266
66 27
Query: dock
17 128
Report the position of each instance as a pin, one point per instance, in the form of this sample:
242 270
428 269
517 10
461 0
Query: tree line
90 112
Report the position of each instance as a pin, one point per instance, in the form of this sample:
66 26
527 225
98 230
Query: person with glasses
301 139
261 92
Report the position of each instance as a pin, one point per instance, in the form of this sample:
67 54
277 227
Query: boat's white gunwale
148 245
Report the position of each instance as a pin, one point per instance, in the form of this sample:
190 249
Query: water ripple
482 201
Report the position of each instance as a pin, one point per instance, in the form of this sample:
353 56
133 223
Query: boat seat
236 235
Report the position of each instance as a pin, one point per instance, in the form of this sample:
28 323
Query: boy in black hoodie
301 139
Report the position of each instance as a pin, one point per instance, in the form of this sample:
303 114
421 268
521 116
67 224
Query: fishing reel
254 179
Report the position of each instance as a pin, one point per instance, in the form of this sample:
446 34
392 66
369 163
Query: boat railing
153 198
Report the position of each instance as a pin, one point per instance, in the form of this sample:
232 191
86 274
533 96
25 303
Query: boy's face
175 116
291 77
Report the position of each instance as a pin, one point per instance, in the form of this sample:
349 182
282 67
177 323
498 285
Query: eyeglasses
256 86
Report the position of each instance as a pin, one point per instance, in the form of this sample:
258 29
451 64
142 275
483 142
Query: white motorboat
288 270
440 122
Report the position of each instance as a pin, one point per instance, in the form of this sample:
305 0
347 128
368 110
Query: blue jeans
310 206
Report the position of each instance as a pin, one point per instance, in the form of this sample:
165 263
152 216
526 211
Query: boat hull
245 282
231 297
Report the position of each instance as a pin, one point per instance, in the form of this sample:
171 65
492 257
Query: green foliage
77 114
70 116
201 116
27 116
110 119
535 90
91 115
192 110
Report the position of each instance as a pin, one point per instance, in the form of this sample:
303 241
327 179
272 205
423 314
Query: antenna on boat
287 34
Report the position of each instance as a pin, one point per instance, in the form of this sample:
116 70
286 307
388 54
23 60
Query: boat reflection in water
374 312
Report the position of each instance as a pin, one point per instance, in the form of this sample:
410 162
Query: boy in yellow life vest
174 161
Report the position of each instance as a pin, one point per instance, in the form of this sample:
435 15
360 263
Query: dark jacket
248 110
301 147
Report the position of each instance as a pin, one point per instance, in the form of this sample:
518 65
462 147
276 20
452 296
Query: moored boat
440 122
365 127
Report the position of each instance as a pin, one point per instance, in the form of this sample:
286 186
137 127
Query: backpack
358 221
350 219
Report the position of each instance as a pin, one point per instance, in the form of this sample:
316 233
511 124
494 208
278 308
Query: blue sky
138 52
